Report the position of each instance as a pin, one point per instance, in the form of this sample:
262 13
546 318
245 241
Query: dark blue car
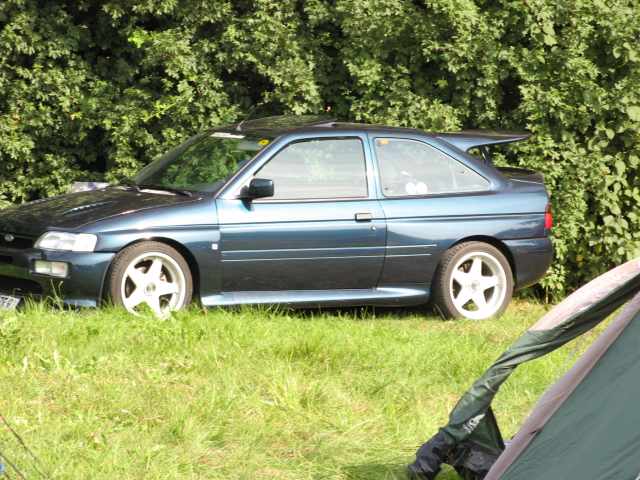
297 211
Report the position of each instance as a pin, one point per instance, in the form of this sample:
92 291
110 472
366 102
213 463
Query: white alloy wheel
478 285
154 279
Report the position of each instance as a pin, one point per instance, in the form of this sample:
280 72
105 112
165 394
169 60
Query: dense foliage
91 89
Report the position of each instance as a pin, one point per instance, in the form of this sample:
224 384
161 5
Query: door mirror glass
260 188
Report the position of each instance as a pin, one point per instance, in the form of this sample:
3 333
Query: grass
248 394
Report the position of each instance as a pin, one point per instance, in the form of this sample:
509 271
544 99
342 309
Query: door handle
364 217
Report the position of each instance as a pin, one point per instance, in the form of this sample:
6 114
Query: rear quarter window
413 168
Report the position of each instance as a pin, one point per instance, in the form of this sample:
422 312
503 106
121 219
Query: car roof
276 126
279 125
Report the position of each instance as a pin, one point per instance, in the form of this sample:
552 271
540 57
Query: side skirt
381 296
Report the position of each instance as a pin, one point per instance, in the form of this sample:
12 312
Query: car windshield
202 164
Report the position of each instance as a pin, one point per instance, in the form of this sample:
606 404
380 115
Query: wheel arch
181 249
501 246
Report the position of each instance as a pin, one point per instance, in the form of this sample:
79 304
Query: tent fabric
595 433
576 315
554 397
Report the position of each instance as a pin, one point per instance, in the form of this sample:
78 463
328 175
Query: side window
410 167
318 168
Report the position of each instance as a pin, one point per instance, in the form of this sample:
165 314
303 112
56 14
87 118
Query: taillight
548 218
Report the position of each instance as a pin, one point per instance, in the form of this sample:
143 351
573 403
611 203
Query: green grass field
248 394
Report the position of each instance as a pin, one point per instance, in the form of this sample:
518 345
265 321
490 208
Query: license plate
8 302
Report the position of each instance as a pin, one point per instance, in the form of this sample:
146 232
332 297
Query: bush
92 90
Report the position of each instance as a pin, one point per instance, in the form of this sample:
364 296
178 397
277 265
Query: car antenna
239 126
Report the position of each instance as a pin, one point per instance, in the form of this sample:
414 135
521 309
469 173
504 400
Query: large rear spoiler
482 139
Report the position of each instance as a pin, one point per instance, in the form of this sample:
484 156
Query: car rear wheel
150 275
474 281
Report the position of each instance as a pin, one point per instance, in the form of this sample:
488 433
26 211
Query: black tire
176 266
445 288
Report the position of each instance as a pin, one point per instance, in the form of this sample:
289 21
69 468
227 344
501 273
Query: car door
323 229
430 200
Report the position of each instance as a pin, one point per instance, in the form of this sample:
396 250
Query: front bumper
82 287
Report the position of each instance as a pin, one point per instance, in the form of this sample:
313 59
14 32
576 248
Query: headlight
71 242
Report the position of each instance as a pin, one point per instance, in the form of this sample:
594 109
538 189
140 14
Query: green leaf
634 113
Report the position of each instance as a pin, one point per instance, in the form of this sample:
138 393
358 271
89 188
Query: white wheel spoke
154 304
155 270
480 300
464 295
476 268
136 276
489 282
461 277
135 299
165 288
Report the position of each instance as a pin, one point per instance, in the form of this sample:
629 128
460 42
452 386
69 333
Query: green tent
585 427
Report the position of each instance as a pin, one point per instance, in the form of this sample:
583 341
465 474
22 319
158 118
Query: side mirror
259 188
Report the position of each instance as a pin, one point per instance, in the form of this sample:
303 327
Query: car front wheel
150 275
474 281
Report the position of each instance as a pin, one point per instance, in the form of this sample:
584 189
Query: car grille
17 243
19 286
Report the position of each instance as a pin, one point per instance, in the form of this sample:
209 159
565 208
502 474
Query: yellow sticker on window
263 142
383 141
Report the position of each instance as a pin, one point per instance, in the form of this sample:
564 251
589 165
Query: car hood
75 210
